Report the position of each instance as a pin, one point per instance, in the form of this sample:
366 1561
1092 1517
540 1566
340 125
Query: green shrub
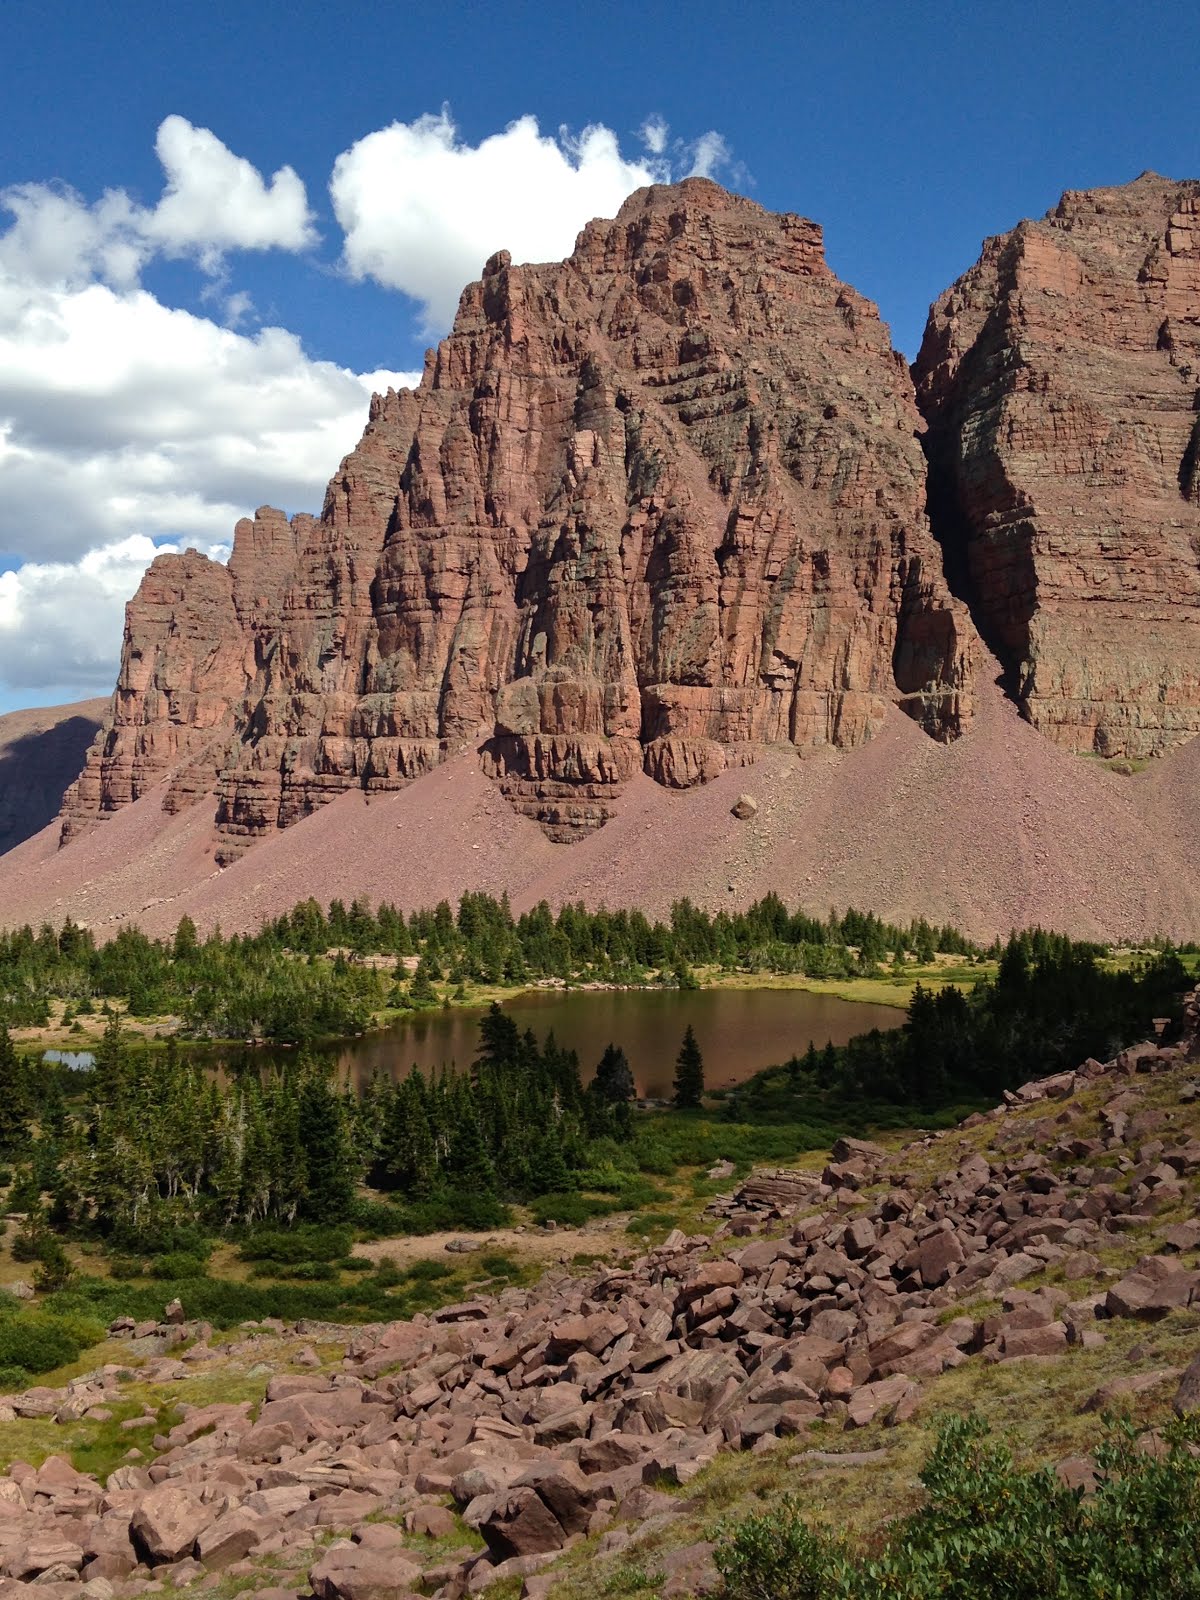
37 1342
29 1241
355 1264
126 1267
164 1233
453 1209
55 1267
177 1264
376 1219
987 1528
649 1222
305 1243
498 1265
572 1210
428 1270
311 1271
12 1379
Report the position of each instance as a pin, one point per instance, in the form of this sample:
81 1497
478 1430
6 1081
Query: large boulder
168 1522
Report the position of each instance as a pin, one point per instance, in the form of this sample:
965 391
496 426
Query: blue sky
247 334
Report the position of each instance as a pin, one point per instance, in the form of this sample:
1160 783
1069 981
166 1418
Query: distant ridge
41 753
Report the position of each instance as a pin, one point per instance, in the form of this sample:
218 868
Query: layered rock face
1061 382
652 506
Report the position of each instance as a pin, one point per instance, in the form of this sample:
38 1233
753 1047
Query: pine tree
421 991
499 1039
15 1107
328 1152
111 1064
613 1082
548 1172
689 1073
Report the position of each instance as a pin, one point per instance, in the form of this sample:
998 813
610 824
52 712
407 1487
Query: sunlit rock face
1061 382
651 507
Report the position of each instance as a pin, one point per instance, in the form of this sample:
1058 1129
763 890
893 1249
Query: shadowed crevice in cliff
36 769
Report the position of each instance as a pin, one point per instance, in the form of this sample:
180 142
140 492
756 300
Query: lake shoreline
894 990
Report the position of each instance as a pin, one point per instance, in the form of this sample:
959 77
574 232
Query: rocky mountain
650 507
1061 382
658 512
41 752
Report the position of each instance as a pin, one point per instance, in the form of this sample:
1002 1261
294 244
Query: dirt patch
602 1237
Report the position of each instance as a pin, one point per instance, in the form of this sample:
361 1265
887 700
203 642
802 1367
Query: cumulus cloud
421 210
128 426
214 202
121 416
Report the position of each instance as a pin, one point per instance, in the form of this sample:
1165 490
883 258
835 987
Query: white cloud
60 621
653 134
709 154
122 416
127 426
214 201
422 211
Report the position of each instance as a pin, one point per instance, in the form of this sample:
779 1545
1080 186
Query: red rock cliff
652 506
1061 381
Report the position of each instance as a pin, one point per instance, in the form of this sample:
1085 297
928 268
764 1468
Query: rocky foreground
489 1439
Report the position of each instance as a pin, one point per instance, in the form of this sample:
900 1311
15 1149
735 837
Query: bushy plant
177 1264
55 1267
36 1342
989 1528
774 1555
163 1233
428 1270
497 1265
387 1273
648 1222
572 1210
300 1244
29 1241
123 1267
453 1209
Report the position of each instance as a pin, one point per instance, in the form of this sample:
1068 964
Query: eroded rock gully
652 506
547 1415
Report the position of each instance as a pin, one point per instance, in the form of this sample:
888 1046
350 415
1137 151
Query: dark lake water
739 1031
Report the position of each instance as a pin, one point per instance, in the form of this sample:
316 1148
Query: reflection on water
77 1060
739 1031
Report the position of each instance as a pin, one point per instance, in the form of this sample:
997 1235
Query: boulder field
507 1435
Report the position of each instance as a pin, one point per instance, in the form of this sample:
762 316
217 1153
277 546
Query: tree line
307 975
1051 1005
151 1135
